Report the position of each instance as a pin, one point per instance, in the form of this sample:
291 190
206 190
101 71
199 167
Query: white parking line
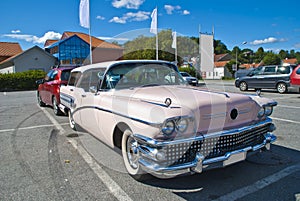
286 120
30 127
287 106
113 187
237 194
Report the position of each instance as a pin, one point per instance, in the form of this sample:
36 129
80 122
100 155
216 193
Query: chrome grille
214 147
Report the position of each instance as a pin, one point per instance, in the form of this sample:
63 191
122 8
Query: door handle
83 95
71 89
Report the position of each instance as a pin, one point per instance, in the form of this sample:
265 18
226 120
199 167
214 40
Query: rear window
298 71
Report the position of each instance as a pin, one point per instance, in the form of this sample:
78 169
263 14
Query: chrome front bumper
152 153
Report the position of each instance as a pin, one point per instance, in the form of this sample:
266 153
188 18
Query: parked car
162 125
295 78
49 87
190 79
266 77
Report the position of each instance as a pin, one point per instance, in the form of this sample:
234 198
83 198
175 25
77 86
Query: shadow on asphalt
212 184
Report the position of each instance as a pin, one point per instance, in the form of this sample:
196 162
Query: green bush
20 81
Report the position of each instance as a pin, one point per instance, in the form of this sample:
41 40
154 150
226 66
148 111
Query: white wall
7 70
207 53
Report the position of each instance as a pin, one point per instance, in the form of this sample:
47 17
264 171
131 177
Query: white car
162 125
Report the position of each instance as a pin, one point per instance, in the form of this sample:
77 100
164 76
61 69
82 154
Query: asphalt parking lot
41 158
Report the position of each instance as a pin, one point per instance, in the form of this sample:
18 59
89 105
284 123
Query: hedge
20 81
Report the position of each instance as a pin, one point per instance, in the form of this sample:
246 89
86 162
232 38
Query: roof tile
9 49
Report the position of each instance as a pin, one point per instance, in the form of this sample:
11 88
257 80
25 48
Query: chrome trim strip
119 114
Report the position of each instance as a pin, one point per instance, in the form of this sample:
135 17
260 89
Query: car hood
212 111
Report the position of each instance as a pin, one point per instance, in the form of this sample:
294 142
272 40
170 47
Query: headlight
168 127
261 112
268 110
182 125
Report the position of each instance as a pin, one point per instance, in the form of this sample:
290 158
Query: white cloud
100 17
130 4
111 39
15 31
139 16
264 41
186 12
35 39
118 20
169 9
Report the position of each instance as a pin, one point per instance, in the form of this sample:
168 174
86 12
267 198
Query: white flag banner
153 28
84 13
174 43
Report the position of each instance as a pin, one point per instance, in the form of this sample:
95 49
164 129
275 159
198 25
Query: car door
268 78
252 77
47 86
88 106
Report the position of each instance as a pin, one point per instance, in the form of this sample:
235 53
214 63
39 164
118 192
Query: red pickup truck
49 87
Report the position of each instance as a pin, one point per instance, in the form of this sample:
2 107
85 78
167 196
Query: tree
271 59
259 55
283 54
220 48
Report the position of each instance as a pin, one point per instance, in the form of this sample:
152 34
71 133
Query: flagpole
91 54
156 37
85 21
153 28
156 46
176 48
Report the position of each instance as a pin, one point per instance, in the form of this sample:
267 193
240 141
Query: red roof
8 49
49 42
219 64
290 61
96 42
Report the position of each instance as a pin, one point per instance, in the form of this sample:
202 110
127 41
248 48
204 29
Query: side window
74 77
283 70
257 71
269 70
90 79
53 75
85 81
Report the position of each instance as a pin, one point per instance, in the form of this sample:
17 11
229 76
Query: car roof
65 67
108 64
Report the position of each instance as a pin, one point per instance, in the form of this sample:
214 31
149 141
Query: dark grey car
266 77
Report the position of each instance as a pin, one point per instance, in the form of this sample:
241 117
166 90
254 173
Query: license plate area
234 158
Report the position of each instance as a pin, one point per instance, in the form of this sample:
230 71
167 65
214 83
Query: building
220 69
206 55
287 61
8 49
74 48
32 59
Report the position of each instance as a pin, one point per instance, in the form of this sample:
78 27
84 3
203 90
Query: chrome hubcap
132 152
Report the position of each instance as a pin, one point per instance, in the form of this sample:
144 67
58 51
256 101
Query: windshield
132 75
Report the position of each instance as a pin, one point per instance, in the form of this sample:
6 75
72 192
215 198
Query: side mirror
40 81
93 89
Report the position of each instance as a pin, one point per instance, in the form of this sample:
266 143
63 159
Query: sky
248 24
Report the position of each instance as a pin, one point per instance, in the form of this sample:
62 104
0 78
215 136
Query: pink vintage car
162 125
